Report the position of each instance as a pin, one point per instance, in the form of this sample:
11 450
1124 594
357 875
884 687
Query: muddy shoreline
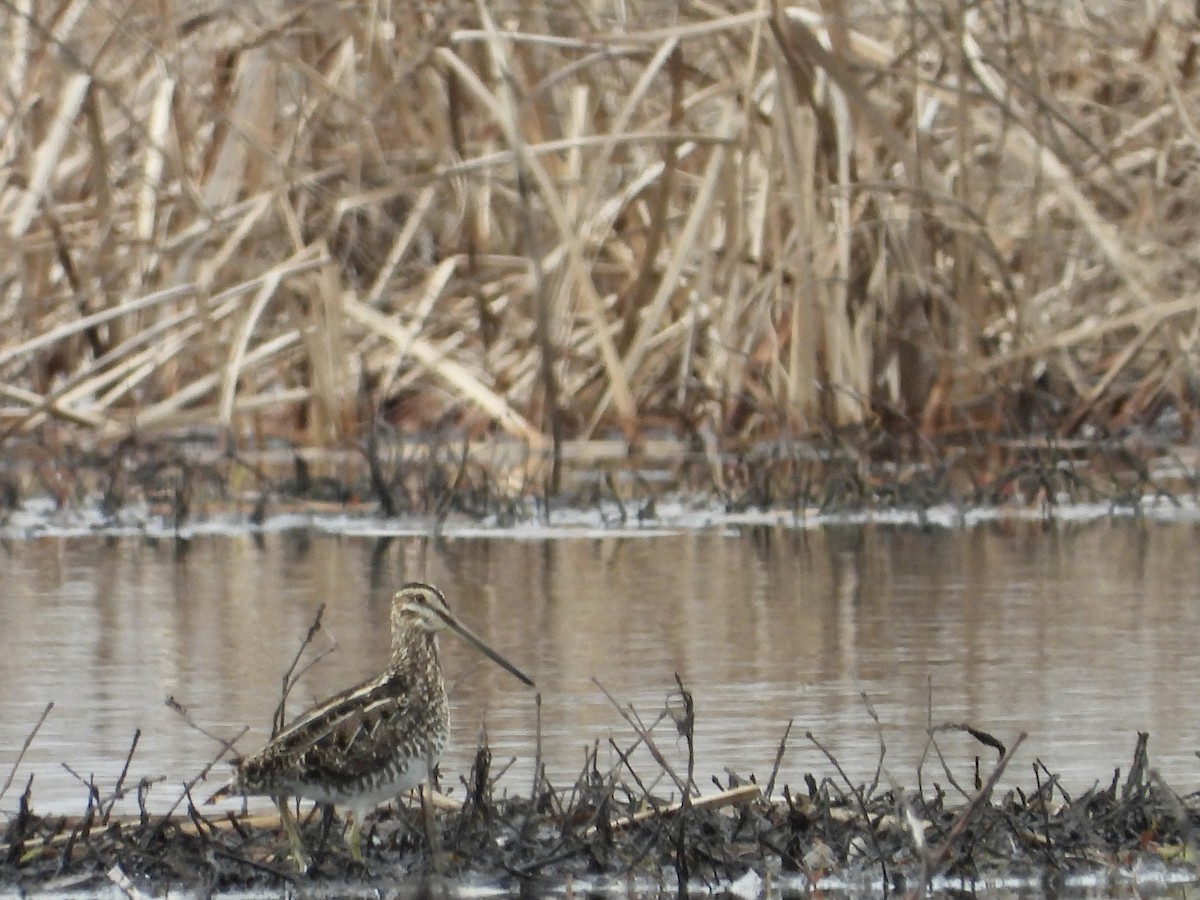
192 481
607 831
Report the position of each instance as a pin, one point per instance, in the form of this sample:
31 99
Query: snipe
374 741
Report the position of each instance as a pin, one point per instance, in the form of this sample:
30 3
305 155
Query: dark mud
608 828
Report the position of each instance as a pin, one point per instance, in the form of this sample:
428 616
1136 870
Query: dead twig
12 773
291 676
940 855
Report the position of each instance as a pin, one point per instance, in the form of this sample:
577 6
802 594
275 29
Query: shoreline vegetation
946 249
621 828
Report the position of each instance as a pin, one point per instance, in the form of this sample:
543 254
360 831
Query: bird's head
422 608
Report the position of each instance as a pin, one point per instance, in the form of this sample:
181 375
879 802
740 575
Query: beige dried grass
750 223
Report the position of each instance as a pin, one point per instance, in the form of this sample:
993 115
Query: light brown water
1079 634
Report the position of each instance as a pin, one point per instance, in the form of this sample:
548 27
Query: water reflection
1081 635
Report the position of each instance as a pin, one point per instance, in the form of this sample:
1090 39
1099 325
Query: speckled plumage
366 744
373 741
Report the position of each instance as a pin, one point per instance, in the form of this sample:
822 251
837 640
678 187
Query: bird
372 742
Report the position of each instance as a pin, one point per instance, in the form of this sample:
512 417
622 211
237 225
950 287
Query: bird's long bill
469 636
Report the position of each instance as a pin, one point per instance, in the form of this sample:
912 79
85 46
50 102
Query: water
1080 634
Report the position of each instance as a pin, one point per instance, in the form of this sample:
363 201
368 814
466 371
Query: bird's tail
231 788
226 790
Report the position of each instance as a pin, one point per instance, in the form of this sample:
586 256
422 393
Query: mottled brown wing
351 737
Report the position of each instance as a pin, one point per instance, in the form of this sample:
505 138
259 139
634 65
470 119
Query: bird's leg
293 833
425 792
354 839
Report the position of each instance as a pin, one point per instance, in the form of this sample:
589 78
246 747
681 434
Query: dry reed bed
586 218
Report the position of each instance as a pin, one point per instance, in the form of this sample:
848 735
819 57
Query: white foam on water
38 518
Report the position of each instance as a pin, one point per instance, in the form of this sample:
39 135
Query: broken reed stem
770 789
643 733
539 774
12 773
544 317
120 785
291 676
983 737
182 711
1044 801
856 792
939 855
742 794
882 744
685 724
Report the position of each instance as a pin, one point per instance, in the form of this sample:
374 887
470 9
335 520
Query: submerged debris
610 827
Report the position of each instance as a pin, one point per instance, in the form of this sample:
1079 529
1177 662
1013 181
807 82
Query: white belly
368 797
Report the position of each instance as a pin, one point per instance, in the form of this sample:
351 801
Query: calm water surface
1079 634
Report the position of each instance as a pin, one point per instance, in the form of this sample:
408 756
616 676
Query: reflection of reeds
570 222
